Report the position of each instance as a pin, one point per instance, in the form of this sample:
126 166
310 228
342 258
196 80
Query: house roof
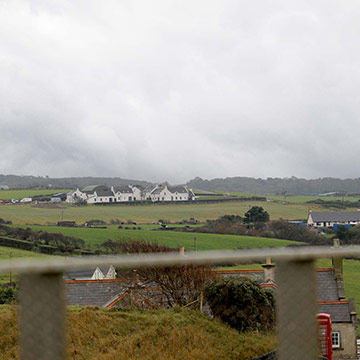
179 189
340 216
339 311
123 189
89 188
93 292
103 192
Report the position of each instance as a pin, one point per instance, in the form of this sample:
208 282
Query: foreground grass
95 237
158 334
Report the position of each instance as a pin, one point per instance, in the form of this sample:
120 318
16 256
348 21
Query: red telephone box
324 335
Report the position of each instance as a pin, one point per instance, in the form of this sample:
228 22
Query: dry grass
159 334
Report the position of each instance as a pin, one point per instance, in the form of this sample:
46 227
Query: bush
7 294
242 304
256 214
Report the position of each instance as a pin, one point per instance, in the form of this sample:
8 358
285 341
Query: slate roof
93 292
339 312
89 188
326 286
337 216
104 192
123 189
179 189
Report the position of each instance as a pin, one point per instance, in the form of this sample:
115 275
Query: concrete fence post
296 311
42 317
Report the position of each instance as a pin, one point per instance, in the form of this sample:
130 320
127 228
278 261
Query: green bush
7 294
242 304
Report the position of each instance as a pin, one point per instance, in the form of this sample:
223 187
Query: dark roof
179 189
104 193
326 286
89 188
93 292
123 189
339 312
335 216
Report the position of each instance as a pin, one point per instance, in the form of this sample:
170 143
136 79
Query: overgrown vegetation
8 294
99 334
274 229
242 304
337 204
42 241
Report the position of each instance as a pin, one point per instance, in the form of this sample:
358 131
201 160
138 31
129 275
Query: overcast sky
170 90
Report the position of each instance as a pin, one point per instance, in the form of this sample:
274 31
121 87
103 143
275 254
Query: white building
99 194
165 192
124 193
329 219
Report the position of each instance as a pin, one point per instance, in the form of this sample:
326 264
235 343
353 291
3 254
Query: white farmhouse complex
329 219
165 192
100 194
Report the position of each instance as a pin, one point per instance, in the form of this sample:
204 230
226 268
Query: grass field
300 199
94 237
27 214
17 254
101 334
20 194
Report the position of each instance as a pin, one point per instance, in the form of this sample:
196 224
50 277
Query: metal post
10 269
42 317
297 308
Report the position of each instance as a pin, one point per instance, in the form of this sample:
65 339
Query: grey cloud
171 90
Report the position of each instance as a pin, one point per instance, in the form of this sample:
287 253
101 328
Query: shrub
242 304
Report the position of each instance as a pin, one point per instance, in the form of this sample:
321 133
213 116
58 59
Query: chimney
337 265
269 271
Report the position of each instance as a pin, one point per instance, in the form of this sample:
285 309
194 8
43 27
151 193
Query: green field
27 214
95 237
6 253
20 194
300 199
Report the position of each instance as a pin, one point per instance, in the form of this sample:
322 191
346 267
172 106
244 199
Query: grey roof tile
340 216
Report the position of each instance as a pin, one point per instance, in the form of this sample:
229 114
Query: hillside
158 334
21 182
278 186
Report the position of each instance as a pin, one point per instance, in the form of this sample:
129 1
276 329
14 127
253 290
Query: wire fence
42 297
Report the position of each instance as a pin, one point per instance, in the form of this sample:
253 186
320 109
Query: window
335 339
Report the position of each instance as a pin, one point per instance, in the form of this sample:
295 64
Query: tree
180 284
256 214
242 304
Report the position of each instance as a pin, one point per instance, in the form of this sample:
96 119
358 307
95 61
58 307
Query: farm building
100 194
126 193
329 219
165 192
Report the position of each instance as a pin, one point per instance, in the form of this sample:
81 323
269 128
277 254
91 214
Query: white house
101 196
165 192
123 193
